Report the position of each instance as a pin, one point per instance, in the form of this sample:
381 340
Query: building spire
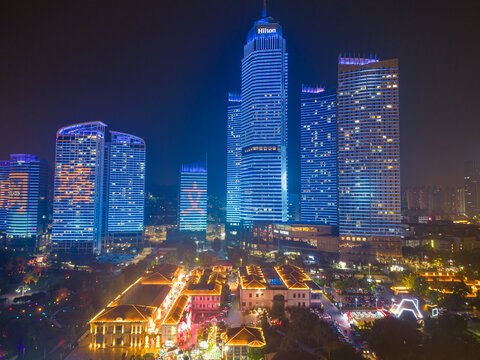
264 12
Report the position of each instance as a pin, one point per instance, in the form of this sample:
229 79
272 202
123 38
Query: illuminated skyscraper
193 197
318 140
369 157
472 187
125 167
27 196
234 157
263 177
4 171
77 202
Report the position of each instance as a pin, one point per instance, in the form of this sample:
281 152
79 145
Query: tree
456 300
394 339
278 307
408 280
448 338
238 257
256 353
171 257
217 245
420 286
204 259
186 251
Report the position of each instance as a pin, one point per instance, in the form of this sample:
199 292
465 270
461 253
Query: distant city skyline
149 91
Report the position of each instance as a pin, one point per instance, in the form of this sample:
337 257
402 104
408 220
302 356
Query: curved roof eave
77 125
122 133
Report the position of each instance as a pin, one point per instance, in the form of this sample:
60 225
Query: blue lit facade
234 158
263 175
27 196
369 155
126 184
193 197
318 166
77 202
4 171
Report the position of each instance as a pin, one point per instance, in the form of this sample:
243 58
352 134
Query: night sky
162 69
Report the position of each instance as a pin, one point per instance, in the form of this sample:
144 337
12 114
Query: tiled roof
251 277
126 313
176 311
204 283
293 276
244 336
163 274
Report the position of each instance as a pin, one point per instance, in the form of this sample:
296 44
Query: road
54 320
341 321
337 316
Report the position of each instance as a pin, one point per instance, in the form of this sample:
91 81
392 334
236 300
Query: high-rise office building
125 187
263 175
369 157
99 193
472 187
27 196
77 202
294 207
234 157
433 201
4 171
193 197
318 141
460 200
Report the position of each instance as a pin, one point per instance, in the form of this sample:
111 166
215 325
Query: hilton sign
265 30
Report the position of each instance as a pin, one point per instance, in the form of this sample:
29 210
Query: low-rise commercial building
239 340
177 324
272 236
123 326
205 288
259 287
135 317
446 282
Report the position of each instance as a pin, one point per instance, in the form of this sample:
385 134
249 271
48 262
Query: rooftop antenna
264 12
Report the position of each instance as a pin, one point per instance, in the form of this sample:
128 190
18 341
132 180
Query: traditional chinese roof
164 274
176 311
125 313
251 277
244 336
293 277
149 295
204 283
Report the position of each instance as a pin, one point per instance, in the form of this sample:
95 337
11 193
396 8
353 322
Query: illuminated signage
194 202
75 183
266 30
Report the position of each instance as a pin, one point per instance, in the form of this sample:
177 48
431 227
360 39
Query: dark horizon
162 71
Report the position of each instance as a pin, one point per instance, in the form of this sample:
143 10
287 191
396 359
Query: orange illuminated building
205 288
136 317
123 326
239 340
259 286
445 282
